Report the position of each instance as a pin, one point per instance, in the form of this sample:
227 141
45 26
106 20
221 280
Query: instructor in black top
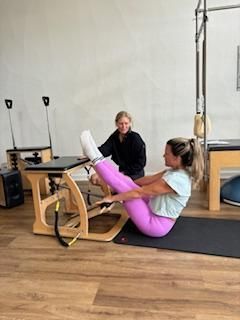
126 148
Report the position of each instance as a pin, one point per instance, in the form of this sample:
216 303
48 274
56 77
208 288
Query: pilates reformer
201 78
67 190
215 156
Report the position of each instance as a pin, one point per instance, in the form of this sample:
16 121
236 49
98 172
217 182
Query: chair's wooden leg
79 202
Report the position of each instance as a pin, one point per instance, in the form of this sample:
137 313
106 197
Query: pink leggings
138 209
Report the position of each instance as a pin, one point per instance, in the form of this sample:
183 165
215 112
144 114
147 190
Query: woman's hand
106 204
107 199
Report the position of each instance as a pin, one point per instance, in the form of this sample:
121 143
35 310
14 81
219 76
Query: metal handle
45 101
8 103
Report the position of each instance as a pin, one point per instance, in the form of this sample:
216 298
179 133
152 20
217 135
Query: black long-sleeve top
129 155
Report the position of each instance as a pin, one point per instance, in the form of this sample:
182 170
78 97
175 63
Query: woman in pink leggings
153 202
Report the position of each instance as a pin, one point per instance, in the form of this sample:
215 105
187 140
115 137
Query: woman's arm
153 189
149 179
107 147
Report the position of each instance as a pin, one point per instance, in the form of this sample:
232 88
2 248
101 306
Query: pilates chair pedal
106 206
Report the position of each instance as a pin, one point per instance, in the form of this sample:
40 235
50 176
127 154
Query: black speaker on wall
11 190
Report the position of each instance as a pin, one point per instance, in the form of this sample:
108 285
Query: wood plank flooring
39 279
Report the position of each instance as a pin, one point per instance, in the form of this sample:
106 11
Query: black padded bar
60 164
28 149
232 144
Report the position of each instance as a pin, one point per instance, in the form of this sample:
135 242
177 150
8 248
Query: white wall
94 58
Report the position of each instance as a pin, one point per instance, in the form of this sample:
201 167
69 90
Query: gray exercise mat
219 237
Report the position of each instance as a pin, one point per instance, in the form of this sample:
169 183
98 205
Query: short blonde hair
122 114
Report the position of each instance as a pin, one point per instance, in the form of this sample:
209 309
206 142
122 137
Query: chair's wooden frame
74 202
217 161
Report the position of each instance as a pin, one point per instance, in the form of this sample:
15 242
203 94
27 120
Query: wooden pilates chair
61 169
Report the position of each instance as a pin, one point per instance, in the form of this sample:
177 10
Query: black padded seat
60 164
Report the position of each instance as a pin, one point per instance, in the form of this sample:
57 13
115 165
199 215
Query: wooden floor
39 279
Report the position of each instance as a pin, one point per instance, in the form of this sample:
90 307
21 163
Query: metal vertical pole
13 140
46 103
197 61
9 104
204 86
